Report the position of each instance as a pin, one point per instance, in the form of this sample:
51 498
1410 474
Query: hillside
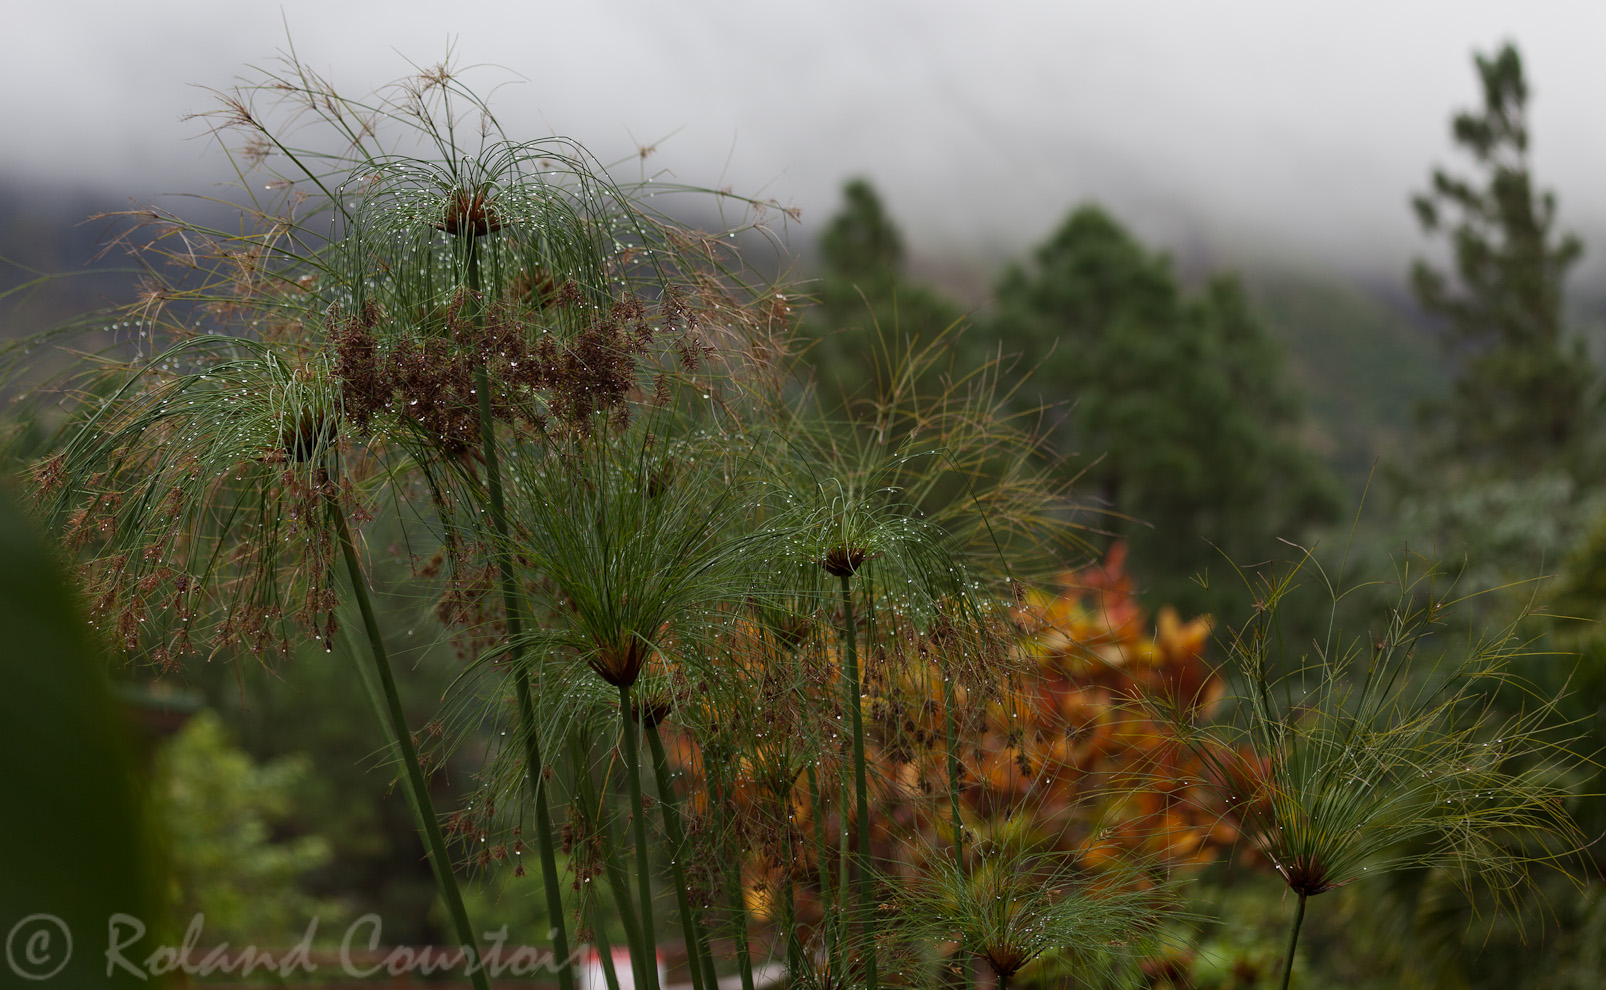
1359 359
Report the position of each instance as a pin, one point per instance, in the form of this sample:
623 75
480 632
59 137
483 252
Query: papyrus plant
1016 901
575 396
411 284
1371 752
902 510
205 493
875 539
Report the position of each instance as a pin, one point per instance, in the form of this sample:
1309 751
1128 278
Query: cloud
1273 127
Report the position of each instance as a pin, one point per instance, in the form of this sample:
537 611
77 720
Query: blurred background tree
1523 394
1506 475
865 301
312 705
220 812
1174 411
1178 407
1507 466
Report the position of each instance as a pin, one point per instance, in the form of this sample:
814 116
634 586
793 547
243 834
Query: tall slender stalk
844 865
639 816
604 949
417 790
822 857
967 977
619 883
592 813
1293 940
702 962
794 950
851 690
733 886
520 660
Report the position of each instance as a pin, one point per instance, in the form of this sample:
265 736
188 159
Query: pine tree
1520 397
1176 407
862 242
865 302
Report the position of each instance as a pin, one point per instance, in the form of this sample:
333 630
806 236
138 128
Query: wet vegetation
857 643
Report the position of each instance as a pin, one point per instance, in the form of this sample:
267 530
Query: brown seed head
620 665
651 711
308 434
1308 875
471 213
843 560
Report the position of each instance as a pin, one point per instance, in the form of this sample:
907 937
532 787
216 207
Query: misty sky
1242 130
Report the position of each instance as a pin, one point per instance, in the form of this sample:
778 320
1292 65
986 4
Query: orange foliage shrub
1048 702
1079 750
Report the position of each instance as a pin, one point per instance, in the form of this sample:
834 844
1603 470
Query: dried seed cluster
538 376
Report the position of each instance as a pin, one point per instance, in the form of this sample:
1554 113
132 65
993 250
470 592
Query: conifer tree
1176 408
1519 400
865 303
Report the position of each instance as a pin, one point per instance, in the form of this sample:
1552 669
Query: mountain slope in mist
1361 360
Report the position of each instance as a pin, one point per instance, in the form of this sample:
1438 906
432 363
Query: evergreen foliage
219 810
1520 399
1177 405
865 300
